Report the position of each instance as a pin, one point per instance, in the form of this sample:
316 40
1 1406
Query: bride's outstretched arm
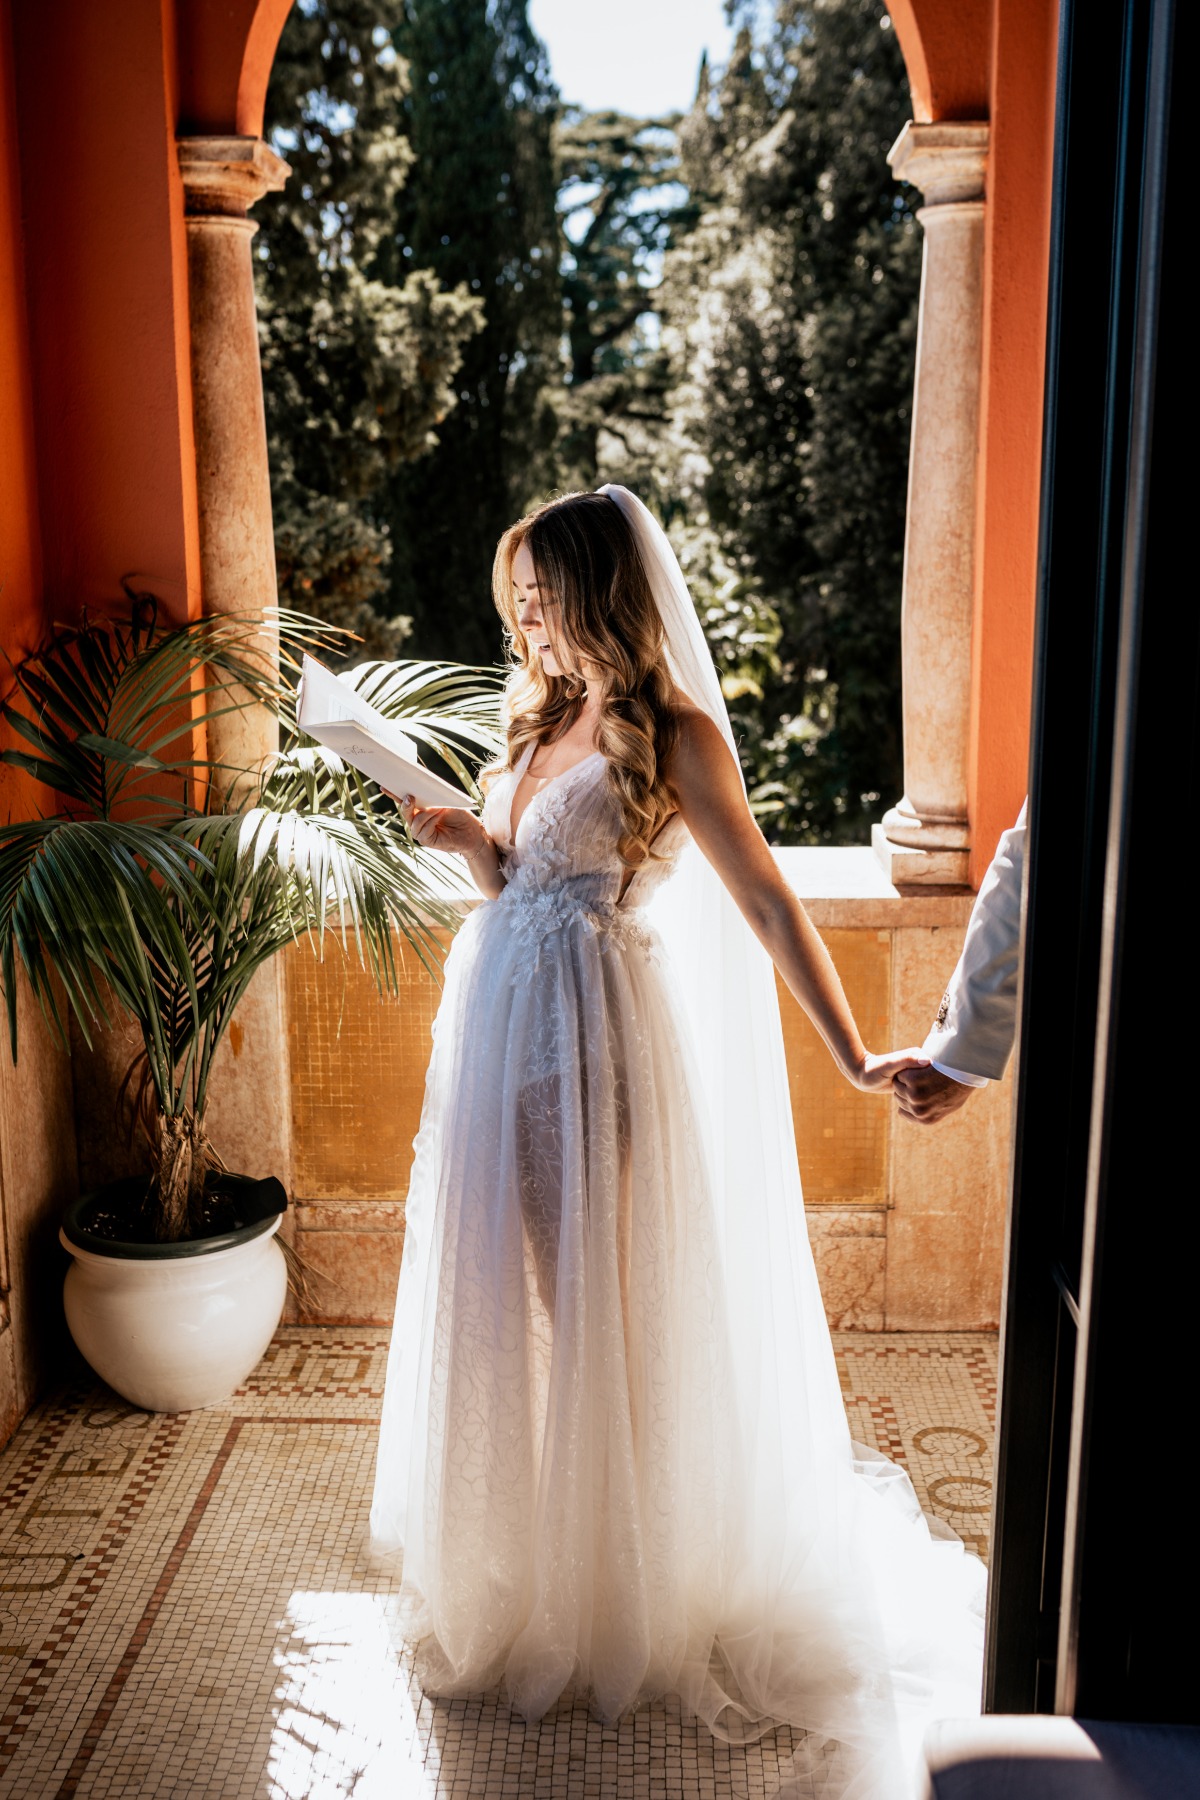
708 790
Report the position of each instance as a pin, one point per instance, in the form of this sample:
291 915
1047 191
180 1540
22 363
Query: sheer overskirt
613 1449
614 1455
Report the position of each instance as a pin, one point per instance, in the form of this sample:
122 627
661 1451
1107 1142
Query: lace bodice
565 846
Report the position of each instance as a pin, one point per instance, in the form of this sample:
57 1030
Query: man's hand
926 1096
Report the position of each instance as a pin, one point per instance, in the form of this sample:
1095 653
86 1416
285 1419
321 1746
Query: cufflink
943 1011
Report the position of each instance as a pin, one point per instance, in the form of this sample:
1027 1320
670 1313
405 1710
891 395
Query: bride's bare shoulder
699 745
694 725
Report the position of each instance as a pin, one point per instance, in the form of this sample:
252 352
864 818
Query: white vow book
328 709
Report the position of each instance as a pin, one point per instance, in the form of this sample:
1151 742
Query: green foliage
722 314
156 892
478 118
357 371
621 206
794 308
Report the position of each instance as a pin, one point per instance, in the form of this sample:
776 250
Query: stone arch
226 49
946 50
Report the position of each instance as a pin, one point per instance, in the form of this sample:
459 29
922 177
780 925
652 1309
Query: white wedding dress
613 1450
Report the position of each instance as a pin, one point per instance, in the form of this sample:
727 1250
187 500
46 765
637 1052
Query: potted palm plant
160 886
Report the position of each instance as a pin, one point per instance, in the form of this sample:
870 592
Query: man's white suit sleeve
977 1021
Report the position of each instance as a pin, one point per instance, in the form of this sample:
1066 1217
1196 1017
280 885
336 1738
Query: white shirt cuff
961 1075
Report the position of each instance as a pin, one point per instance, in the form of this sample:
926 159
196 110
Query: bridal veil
831 1519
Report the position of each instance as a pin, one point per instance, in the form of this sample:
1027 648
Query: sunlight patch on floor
344 1721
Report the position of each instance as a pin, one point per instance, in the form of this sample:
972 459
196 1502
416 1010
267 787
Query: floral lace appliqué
551 904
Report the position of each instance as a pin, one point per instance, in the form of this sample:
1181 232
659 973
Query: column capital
946 160
224 176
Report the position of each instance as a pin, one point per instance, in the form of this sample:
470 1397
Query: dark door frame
1097 1338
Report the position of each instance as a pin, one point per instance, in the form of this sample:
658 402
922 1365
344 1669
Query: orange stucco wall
107 302
97 464
20 549
20 537
97 458
1017 251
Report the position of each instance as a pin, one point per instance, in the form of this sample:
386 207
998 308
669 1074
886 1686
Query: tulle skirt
604 1475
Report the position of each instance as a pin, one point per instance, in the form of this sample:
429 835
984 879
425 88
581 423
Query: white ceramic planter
173 1334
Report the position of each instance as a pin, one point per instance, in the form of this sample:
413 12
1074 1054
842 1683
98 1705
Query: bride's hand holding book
456 829
452 828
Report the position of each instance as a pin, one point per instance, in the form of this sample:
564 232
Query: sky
637 56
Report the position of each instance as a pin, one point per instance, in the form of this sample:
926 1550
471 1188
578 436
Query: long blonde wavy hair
604 614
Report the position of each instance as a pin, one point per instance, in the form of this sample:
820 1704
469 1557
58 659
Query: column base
903 824
906 867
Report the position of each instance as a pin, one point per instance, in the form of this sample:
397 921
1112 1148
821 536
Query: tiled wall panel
358 1074
896 1241
841 1135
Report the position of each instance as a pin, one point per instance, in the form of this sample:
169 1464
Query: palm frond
334 872
89 906
108 701
170 916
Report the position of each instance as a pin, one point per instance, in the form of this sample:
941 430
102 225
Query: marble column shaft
222 177
947 162
249 1113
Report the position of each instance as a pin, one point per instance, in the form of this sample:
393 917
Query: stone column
925 837
222 177
249 1116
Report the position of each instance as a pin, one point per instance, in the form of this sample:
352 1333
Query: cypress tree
357 371
621 205
796 298
478 117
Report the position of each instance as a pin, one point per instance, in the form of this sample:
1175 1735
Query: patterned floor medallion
187 1607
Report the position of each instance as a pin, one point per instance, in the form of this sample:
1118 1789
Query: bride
613 1447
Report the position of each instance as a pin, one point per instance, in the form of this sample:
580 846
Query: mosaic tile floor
186 1608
